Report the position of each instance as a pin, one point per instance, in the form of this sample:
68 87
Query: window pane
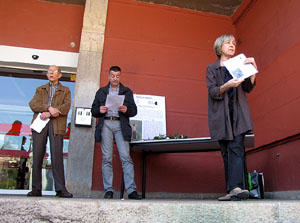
15 133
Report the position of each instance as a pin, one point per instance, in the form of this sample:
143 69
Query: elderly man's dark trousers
233 152
56 150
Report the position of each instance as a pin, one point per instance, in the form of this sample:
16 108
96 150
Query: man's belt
112 118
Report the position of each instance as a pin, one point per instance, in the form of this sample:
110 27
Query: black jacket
100 99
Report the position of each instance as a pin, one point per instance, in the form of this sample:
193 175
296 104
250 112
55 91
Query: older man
53 101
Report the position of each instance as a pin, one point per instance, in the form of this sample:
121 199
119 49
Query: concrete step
51 209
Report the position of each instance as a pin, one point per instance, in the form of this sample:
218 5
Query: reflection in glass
15 134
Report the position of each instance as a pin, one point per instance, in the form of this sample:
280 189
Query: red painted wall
164 51
166 55
270 32
40 25
280 165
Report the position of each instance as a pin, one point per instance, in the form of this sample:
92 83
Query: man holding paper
51 103
113 105
229 115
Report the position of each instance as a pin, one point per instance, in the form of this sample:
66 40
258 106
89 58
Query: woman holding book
229 116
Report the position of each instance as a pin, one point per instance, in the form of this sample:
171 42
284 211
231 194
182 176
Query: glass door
15 136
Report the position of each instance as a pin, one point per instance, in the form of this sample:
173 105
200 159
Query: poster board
150 120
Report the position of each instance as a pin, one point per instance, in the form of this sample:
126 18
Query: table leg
122 187
144 155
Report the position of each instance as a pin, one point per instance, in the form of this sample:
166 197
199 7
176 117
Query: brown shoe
64 194
34 193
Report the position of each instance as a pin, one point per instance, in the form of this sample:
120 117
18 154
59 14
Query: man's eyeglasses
54 71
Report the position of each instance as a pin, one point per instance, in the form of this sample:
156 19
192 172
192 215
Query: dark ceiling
221 7
71 2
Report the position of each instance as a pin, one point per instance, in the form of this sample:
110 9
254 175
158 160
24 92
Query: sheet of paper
238 69
38 124
114 101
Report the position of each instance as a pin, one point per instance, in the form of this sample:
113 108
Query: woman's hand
234 82
250 60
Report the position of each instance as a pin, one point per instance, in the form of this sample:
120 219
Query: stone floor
51 209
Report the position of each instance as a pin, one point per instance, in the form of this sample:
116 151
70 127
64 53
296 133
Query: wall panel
269 31
40 25
164 51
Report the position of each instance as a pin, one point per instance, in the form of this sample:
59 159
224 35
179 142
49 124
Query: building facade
162 50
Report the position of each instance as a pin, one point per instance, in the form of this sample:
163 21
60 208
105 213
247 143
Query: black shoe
64 194
109 195
134 195
34 193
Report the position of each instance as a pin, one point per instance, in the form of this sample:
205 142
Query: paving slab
51 209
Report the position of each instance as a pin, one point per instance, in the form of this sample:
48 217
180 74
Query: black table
204 144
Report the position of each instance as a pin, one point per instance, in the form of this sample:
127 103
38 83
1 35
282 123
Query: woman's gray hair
219 42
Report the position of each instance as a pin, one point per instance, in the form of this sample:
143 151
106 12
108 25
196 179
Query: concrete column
81 145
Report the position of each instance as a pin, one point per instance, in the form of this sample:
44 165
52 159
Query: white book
237 67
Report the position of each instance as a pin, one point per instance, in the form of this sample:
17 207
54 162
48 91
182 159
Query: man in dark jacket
52 101
115 124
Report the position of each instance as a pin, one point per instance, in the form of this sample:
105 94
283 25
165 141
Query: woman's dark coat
218 110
